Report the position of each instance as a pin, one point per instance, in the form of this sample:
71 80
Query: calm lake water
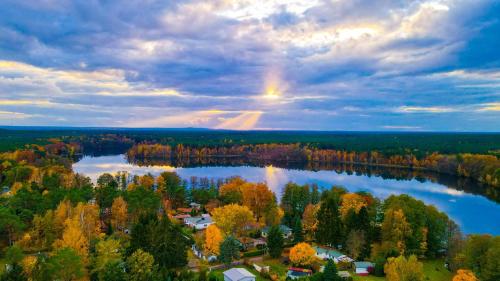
474 213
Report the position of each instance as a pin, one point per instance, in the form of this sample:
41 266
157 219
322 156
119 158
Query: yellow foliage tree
232 218
465 275
87 216
402 269
28 263
63 212
309 220
147 181
351 201
302 254
395 228
213 238
74 238
119 214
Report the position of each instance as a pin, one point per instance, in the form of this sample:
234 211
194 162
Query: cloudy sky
249 64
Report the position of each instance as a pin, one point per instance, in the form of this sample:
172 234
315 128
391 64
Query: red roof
300 269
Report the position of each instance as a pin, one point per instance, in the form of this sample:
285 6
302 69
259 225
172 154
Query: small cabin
363 268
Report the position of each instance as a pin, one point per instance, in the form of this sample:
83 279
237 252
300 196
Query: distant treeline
483 168
394 143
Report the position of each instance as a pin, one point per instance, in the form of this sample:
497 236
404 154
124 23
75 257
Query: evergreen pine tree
330 228
330 273
298 235
229 250
275 241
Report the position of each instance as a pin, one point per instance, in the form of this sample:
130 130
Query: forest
58 225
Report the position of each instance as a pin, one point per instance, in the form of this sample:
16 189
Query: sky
363 65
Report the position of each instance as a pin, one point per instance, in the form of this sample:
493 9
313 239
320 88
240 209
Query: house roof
327 251
198 220
363 264
283 228
236 274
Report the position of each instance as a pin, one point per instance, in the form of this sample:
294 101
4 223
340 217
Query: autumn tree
302 254
140 266
309 220
213 239
401 269
465 275
119 214
230 192
351 201
258 198
74 238
232 218
395 229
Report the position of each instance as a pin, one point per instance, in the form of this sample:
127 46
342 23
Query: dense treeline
483 168
419 144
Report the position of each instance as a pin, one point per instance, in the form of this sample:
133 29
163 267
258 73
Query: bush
254 253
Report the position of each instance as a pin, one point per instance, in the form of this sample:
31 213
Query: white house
238 274
199 223
363 268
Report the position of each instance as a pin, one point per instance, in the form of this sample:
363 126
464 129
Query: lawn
433 271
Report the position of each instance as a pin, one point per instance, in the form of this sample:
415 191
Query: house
200 222
248 243
238 274
181 217
195 206
327 253
298 273
363 268
287 232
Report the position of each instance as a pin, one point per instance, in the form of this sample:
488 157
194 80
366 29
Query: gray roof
198 220
236 274
330 252
363 264
283 228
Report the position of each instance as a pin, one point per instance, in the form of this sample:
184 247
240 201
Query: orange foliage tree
351 201
465 275
302 254
213 238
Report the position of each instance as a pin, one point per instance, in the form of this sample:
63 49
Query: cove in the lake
473 212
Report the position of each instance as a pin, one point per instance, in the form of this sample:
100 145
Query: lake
473 212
